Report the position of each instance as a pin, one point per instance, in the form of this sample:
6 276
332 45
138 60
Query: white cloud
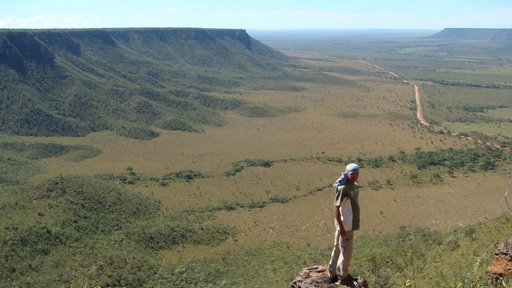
170 10
47 22
6 22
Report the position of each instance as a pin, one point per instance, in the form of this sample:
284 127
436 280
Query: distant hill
481 34
76 81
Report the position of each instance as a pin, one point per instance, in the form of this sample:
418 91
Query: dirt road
419 106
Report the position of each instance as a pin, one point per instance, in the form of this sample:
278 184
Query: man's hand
342 231
337 217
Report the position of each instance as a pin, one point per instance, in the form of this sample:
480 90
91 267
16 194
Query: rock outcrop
500 270
318 277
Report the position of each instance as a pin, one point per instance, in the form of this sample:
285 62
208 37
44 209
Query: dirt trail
419 106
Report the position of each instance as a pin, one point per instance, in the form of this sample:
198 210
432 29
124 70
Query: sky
257 14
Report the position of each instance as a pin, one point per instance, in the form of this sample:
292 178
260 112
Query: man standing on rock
346 215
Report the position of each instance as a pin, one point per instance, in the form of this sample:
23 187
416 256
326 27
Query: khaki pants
341 254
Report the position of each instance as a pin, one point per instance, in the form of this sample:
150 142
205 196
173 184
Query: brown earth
500 270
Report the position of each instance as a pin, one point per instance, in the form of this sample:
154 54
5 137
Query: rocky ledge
318 277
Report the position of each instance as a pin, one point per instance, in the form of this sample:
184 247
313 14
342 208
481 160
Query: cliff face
18 50
478 34
76 81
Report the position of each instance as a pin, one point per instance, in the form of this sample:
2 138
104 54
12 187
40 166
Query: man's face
352 176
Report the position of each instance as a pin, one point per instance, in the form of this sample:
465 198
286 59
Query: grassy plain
461 81
282 214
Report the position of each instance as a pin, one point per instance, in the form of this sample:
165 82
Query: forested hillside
73 82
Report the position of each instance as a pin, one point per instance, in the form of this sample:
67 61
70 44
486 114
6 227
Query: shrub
137 132
256 111
451 244
280 199
469 159
436 178
375 184
256 204
469 231
229 206
376 162
389 183
237 167
176 124
186 175
415 178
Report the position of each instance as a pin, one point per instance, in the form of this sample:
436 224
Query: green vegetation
468 159
275 263
385 260
131 177
36 151
82 154
19 159
176 124
76 230
82 81
16 170
432 165
187 175
241 165
255 111
73 215
445 100
410 254
137 132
